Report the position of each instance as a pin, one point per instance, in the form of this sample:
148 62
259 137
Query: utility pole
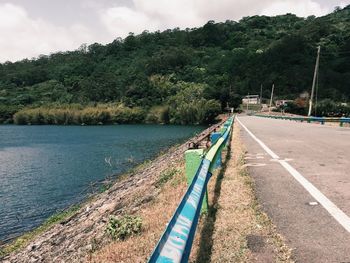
314 80
261 87
229 99
248 103
273 87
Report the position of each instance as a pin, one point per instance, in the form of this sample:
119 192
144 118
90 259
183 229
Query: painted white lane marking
332 209
267 149
277 160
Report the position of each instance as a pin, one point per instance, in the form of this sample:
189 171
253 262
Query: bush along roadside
119 228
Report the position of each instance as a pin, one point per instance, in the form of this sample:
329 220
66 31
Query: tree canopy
184 70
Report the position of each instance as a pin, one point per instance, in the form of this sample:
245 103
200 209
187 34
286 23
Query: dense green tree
150 71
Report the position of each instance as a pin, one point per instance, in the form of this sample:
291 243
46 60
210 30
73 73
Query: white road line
334 211
267 149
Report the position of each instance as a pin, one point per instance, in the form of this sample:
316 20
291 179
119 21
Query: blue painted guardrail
176 242
321 120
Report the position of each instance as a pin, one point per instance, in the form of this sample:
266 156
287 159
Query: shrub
20 118
7 112
158 114
329 108
70 114
189 106
121 228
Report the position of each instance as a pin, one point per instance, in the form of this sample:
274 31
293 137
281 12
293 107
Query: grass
203 253
236 229
104 187
166 176
223 234
168 189
23 240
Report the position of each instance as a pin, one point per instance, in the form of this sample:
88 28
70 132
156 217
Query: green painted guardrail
176 242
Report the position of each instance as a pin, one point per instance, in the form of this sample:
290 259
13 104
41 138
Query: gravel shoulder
242 231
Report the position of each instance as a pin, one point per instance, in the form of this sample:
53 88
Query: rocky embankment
74 238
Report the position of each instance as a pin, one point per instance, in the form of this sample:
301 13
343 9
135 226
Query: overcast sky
29 28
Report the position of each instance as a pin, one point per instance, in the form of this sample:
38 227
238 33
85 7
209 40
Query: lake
44 169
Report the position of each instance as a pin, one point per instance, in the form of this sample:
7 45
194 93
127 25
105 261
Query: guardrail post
213 138
193 159
223 130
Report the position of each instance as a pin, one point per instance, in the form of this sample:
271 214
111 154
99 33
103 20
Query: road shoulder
242 232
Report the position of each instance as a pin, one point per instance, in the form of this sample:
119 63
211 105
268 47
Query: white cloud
163 14
344 4
169 13
122 20
150 15
23 36
299 7
222 10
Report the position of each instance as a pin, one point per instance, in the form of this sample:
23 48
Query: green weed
123 227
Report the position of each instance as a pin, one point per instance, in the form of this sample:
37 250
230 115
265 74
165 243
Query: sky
29 28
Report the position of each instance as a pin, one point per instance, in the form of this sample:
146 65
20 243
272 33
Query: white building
280 103
251 99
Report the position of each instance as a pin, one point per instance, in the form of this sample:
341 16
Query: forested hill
182 76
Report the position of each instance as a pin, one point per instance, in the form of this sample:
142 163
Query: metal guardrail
321 120
176 241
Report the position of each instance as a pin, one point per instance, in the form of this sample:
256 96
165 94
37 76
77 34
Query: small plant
121 228
166 176
105 187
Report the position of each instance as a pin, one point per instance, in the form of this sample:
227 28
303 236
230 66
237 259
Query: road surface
302 181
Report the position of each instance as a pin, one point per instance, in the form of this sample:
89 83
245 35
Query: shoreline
99 180
96 209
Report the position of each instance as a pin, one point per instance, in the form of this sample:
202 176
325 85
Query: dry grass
155 215
242 233
233 230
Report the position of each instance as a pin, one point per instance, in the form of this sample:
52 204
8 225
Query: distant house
251 99
280 103
304 95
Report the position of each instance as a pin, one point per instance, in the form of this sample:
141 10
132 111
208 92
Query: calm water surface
44 169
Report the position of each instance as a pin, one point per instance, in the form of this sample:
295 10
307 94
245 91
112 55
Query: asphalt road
302 181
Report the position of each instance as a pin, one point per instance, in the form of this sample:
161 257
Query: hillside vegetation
180 76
